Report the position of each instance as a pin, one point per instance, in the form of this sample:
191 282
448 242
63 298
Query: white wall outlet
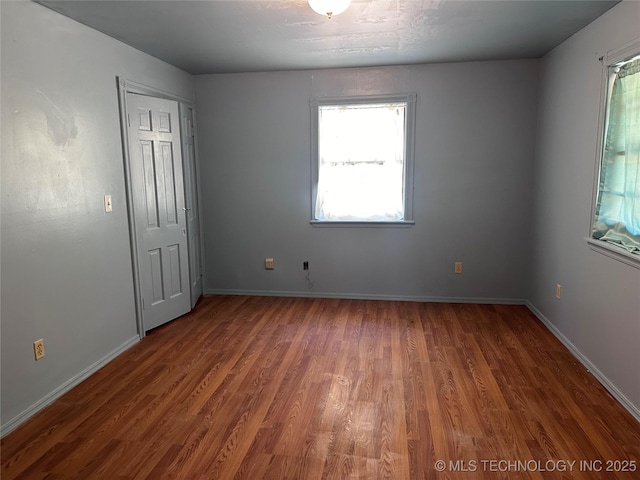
457 267
268 263
558 291
108 206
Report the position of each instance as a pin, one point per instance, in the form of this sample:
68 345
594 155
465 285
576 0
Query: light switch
108 207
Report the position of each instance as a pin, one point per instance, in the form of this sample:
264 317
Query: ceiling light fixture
329 7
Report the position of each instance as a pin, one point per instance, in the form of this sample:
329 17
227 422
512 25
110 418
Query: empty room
320 239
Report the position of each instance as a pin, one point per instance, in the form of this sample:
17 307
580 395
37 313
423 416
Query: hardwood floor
275 388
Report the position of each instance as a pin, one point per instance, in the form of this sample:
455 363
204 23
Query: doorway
162 197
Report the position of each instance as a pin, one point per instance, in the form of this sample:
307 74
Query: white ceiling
214 36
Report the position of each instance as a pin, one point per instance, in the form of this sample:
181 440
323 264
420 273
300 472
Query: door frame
128 86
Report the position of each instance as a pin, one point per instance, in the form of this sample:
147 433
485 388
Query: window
363 159
617 212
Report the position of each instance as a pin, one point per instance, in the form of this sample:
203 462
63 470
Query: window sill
614 252
362 224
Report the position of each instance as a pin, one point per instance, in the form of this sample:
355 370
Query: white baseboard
601 377
367 296
65 387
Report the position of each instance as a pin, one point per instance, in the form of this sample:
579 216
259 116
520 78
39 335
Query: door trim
128 86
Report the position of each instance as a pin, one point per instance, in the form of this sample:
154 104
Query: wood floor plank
300 388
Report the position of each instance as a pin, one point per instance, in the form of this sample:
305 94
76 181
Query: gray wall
66 265
66 274
472 187
599 312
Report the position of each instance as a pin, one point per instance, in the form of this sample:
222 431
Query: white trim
624 52
365 99
133 241
595 189
134 87
366 296
65 387
610 250
601 377
354 223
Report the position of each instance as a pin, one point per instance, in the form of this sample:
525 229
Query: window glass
617 219
362 161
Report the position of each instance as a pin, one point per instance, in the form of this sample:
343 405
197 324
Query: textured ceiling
240 35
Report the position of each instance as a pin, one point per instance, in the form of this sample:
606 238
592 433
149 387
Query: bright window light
617 219
362 165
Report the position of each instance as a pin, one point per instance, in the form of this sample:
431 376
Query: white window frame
410 114
609 61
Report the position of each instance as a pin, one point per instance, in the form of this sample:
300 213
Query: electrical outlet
558 291
268 263
38 349
305 265
457 267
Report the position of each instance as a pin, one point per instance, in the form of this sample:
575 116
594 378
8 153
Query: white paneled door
159 208
191 199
